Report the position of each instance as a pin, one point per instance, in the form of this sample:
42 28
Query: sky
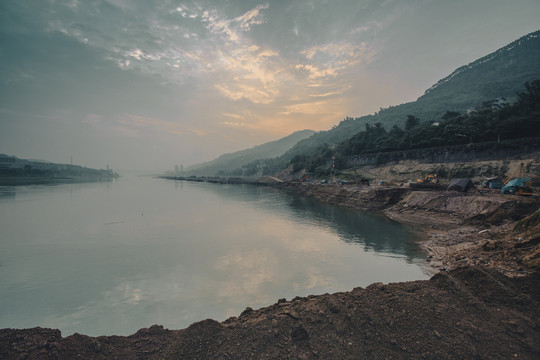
148 84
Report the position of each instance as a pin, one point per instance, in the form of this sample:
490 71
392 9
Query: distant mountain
233 161
499 74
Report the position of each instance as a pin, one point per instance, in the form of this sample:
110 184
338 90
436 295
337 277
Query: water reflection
7 192
112 258
374 232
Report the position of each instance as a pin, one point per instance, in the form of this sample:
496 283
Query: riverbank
474 311
455 228
15 171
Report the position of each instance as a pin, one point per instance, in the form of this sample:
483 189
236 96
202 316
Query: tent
463 184
513 185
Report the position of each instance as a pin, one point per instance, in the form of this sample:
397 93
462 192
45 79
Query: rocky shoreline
456 228
484 304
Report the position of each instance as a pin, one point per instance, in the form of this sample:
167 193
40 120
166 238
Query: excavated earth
456 228
468 313
483 301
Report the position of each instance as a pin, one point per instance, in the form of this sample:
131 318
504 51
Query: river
112 257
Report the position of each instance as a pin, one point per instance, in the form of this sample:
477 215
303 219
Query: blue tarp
511 186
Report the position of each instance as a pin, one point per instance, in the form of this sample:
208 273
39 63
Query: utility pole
333 166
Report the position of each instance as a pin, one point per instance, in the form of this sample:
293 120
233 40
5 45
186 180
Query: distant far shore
16 171
36 180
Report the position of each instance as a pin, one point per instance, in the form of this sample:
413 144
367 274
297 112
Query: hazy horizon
148 85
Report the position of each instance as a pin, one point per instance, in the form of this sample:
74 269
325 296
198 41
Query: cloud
330 93
234 116
130 125
137 54
93 119
343 53
315 72
230 27
235 124
310 108
241 91
372 25
252 17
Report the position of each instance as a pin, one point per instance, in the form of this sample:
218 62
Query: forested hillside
500 74
486 123
463 107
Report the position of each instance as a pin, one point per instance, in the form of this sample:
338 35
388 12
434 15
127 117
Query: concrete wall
455 153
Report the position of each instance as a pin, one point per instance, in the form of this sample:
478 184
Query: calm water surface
110 258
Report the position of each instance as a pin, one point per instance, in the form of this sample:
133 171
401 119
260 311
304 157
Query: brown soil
470 313
483 305
456 228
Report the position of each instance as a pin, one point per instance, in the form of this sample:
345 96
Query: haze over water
110 258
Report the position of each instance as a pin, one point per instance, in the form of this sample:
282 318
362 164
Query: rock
489 245
299 334
333 306
376 286
246 312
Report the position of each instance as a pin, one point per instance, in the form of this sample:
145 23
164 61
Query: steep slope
232 161
501 73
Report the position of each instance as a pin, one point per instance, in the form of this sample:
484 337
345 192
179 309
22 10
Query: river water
112 257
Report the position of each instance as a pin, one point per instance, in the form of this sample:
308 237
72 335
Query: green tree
411 122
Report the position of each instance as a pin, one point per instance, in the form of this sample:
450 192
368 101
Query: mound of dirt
466 313
470 229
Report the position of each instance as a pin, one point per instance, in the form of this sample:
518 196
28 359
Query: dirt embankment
463 314
456 228
473 229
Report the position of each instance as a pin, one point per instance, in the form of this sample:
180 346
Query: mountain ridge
235 160
466 87
484 59
501 73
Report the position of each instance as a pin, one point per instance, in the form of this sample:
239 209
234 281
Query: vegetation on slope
500 74
483 124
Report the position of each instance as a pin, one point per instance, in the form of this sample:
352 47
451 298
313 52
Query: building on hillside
495 104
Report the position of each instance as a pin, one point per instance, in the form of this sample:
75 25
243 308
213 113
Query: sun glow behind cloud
219 51
205 77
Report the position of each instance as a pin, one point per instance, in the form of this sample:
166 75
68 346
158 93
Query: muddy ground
482 303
